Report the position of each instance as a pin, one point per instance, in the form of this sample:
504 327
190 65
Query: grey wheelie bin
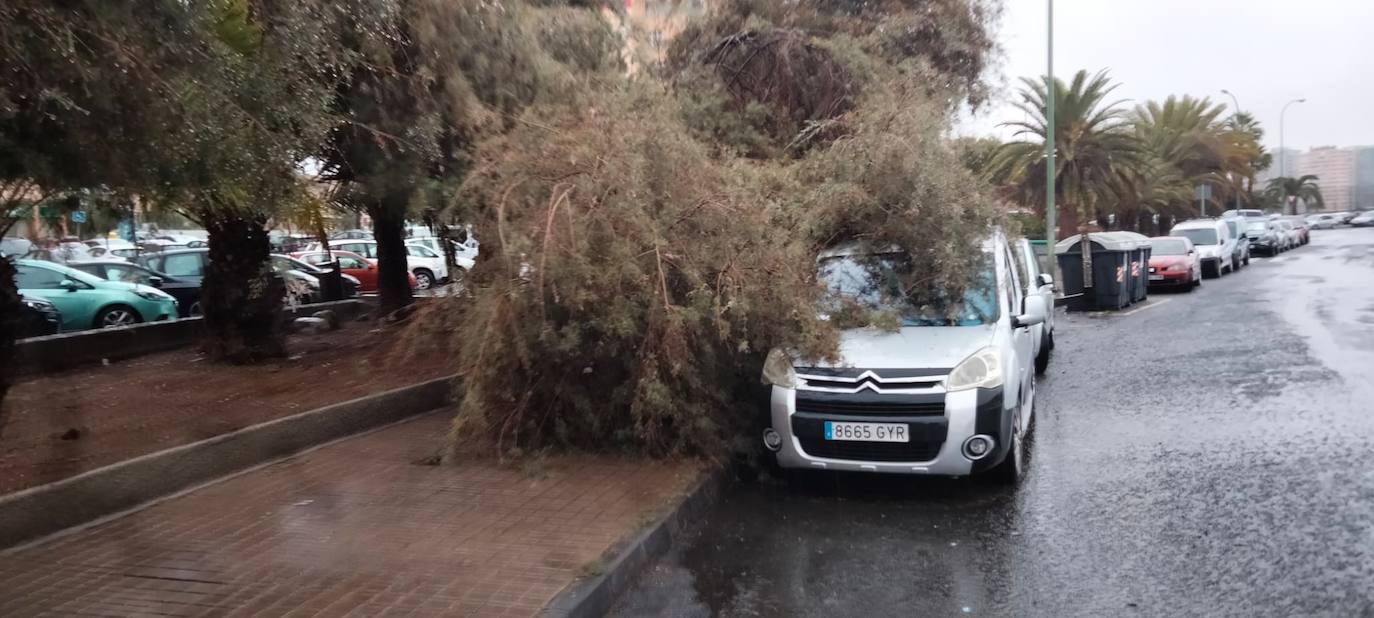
1111 264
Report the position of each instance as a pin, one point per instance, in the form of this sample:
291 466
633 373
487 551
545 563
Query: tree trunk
393 273
11 312
240 295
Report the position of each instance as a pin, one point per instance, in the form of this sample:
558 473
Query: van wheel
1042 360
1012 468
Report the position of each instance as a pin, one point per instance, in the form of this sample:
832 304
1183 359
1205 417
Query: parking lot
1203 453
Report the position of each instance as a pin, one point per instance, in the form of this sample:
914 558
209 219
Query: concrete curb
594 596
64 351
43 510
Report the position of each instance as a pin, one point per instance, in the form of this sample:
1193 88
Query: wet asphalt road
1203 454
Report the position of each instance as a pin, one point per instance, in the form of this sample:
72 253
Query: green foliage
1286 191
1097 151
769 79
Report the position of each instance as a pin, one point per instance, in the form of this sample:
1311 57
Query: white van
1215 244
949 393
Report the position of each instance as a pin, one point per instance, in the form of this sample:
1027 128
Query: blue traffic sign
78 216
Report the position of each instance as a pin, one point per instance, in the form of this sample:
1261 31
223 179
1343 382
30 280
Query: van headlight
982 369
778 371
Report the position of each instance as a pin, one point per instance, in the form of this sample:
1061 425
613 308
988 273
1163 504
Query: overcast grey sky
1267 52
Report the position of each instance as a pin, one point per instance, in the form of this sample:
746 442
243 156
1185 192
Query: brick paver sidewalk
356 528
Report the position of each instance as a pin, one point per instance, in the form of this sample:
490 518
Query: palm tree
1096 150
1288 191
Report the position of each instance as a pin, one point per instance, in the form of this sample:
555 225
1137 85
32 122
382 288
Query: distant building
1335 172
1288 158
1364 178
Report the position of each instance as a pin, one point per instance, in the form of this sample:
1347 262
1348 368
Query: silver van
951 392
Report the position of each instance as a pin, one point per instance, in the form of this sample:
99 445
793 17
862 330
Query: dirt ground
66 423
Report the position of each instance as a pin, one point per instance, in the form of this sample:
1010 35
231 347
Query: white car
951 392
426 264
1212 239
464 253
1324 221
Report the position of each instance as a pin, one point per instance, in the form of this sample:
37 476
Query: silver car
951 392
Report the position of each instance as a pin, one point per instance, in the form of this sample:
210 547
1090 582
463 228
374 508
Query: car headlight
151 294
982 369
778 371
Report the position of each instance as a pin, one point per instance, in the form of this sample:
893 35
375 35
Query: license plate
1156 277
867 432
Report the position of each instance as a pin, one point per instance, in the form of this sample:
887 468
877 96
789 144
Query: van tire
1013 466
1042 360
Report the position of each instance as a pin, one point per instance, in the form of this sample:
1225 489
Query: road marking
1139 309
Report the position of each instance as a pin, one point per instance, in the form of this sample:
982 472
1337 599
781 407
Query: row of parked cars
1208 248
75 286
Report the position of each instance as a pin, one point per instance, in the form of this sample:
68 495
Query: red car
1174 262
352 264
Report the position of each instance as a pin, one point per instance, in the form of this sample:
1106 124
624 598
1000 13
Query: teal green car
87 301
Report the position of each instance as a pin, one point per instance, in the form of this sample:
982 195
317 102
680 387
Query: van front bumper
937 438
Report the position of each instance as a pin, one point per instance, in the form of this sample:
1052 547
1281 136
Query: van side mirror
1033 311
1046 279
155 281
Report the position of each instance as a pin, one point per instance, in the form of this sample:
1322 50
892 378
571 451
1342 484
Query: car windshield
1256 226
1168 246
1199 236
886 281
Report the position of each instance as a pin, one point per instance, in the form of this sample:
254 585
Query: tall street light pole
1236 105
1282 170
1051 227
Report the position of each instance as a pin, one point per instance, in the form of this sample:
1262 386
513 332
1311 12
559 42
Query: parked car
301 279
186 292
1347 216
1243 213
1323 221
14 247
1212 240
951 392
426 264
1240 249
1174 261
351 235
1300 226
464 253
86 301
351 264
1042 283
39 317
1263 235
1290 237
1364 219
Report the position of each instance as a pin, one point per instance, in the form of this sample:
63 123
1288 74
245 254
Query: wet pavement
1202 454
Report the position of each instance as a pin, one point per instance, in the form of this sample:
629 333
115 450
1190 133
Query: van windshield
1199 236
887 281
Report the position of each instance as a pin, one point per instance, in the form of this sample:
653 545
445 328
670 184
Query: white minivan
1215 244
951 392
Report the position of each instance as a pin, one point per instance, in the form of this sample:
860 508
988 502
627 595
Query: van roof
1198 223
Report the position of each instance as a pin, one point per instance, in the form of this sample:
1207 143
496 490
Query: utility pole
1282 171
1051 226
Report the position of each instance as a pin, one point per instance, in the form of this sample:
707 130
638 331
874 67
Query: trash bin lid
1110 241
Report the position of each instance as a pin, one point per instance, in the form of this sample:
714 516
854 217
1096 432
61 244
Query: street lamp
1283 171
